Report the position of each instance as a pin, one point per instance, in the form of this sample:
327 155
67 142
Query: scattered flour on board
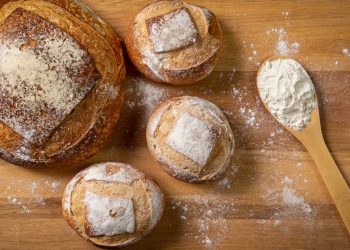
253 54
55 185
283 46
16 202
225 183
293 205
250 117
208 213
287 180
34 188
300 165
144 95
247 112
291 199
346 51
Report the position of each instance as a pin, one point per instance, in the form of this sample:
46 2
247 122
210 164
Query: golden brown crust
85 130
115 181
177 73
161 124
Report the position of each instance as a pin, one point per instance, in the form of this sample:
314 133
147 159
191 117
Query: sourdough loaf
61 68
112 204
191 138
174 42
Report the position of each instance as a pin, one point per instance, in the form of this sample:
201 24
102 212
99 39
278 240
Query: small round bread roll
174 42
191 138
112 204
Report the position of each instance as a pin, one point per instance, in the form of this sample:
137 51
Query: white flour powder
346 51
290 198
172 31
287 90
283 46
193 138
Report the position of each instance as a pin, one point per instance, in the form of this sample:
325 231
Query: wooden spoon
311 137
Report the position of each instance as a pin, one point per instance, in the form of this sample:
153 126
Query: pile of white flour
288 92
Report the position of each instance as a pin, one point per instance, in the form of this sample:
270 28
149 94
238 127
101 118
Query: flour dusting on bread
40 75
100 172
108 215
172 31
193 138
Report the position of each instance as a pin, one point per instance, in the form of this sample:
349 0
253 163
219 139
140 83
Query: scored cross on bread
108 215
40 75
193 138
172 31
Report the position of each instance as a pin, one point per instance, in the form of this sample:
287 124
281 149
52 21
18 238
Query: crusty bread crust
150 193
218 165
87 127
180 74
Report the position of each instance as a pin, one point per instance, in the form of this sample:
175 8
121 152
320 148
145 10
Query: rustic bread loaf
191 138
61 69
174 42
112 204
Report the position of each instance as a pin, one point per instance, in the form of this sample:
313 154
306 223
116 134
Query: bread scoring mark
210 20
156 119
107 172
44 74
108 216
156 198
208 108
68 194
172 31
193 138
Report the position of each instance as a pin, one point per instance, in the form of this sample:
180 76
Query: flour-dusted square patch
108 215
172 31
44 74
193 138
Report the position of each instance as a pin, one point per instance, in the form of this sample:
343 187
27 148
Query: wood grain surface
276 199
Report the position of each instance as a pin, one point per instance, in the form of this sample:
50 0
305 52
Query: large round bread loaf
61 68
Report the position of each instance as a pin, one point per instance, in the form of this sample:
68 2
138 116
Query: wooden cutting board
274 198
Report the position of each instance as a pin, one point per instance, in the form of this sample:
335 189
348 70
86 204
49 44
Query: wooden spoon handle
336 184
